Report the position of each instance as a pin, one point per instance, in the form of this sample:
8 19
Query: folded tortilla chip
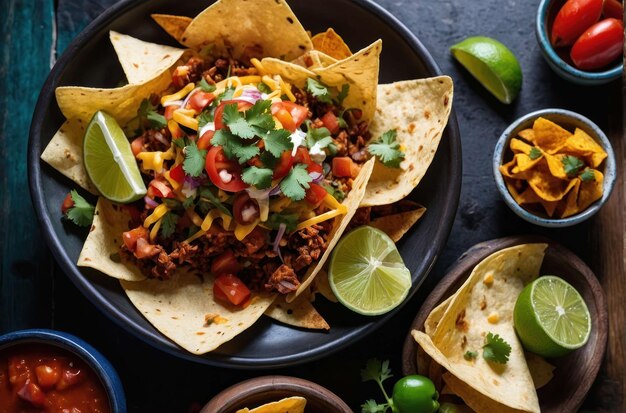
397 225
294 404
298 313
418 110
175 26
290 72
331 44
230 27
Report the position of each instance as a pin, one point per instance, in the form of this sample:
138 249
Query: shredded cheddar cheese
182 116
154 160
242 231
320 218
156 215
155 229
178 95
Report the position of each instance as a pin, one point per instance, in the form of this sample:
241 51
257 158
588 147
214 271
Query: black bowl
90 61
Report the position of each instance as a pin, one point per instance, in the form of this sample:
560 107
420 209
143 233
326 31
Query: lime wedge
110 162
367 273
551 318
492 64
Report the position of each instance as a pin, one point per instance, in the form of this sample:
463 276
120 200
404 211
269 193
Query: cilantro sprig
194 159
261 178
147 112
318 90
535 153
295 184
496 349
317 136
387 149
377 371
82 212
572 165
168 224
587 175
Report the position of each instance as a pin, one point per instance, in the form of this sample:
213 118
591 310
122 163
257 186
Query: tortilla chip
548 135
121 103
525 162
183 309
570 206
143 61
102 246
418 110
321 59
351 202
65 153
590 191
581 144
321 285
555 164
519 146
540 370
477 401
527 134
175 26
464 325
331 44
397 225
360 71
298 313
294 404
229 27
546 186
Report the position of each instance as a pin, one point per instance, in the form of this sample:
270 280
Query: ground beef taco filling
245 174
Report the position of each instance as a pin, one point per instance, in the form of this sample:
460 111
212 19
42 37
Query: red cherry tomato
217 162
177 173
331 122
343 166
242 105
199 100
68 203
232 287
225 263
245 209
289 114
205 140
613 8
573 19
315 194
283 166
137 145
130 237
600 45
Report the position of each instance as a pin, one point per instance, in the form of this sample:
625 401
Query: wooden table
34 293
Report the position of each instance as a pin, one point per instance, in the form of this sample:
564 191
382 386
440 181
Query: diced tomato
177 173
289 114
169 111
144 249
31 393
287 161
315 194
245 209
331 122
69 378
302 156
175 129
242 105
232 287
68 203
216 162
343 166
224 263
199 100
47 376
180 77
137 145
256 161
19 373
161 189
130 237
283 166
205 140
315 167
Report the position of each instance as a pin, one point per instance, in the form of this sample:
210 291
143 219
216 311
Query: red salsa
40 378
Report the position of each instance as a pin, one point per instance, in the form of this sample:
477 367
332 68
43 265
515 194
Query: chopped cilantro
336 193
295 184
572 165
148 112
371 406
207 196
268 160
227 94
387 149
277 141
181 142
168 224
290 221
237 123
342 122
194 159
172 203
320 136
470 355
496 349
588 175
245 153
204 118
82 212
205 86
188 202
343 93
261 178
318 90
260 116
263 88
535 153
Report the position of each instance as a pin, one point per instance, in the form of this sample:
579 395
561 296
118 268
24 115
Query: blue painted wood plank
25 276
74 15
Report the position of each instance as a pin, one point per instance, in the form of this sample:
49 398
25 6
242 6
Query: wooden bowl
260 390
574 373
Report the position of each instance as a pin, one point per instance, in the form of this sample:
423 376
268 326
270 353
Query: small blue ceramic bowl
545 15
92 357
568 120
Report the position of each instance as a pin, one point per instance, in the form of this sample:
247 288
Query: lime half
495 66
110 162
551 318
367 273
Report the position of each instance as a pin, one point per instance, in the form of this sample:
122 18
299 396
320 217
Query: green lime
367 273
110 162
495 66
551 318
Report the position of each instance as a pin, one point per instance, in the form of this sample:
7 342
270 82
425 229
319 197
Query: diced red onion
192 181
151 203
279 236
250 95
184 104
316 176
159 137
275 190
173 103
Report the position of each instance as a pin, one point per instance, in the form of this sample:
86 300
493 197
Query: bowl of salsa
51 371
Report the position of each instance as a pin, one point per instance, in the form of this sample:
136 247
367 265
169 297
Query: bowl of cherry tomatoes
582 40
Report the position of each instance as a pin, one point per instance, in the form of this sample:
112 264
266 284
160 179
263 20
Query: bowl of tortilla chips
476 297
276 394
554 167
145 47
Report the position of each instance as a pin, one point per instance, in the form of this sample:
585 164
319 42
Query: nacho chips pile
553 170
183 307
458 328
